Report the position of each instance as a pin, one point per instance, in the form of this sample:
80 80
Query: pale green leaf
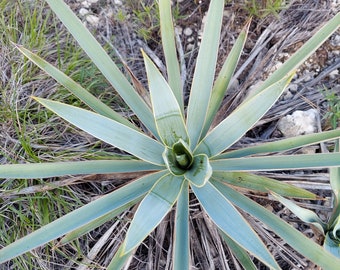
103 61
336 229
302 54
262 184
181 249
53 169
119 259
95 223
109 131
169 48
305 215
223 79
272 163
231 222
204 72
80 217
334 177
291 236
169 119
75 88
332 245
153 208
241 120
170 161
282 145
200 171
241 255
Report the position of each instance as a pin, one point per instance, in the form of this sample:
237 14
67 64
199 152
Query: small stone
93 20
298 123
190 47
293 87
85 4
83 11
335 41
187 31
178 30
92 1
334 74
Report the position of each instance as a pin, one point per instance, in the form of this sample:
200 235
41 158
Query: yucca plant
330 230
183 153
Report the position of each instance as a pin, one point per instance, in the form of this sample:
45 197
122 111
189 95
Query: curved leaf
155 205
305 215
53 169
109 131
262 184
291 236
80 217
231 222
200 171
204 72
241 120
332 245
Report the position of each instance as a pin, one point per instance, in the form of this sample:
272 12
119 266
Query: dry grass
31 134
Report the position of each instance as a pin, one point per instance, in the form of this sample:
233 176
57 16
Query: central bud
179 158
182 154
181 162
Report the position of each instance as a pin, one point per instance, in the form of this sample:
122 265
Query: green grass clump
29 134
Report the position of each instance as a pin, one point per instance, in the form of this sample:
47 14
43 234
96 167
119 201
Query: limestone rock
299 123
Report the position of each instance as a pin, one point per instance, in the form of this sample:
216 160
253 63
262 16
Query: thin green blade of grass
294 238
242 119
109 131
79 217
160 199
169 119
231 222
103 61
204 72
170 54
274 163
